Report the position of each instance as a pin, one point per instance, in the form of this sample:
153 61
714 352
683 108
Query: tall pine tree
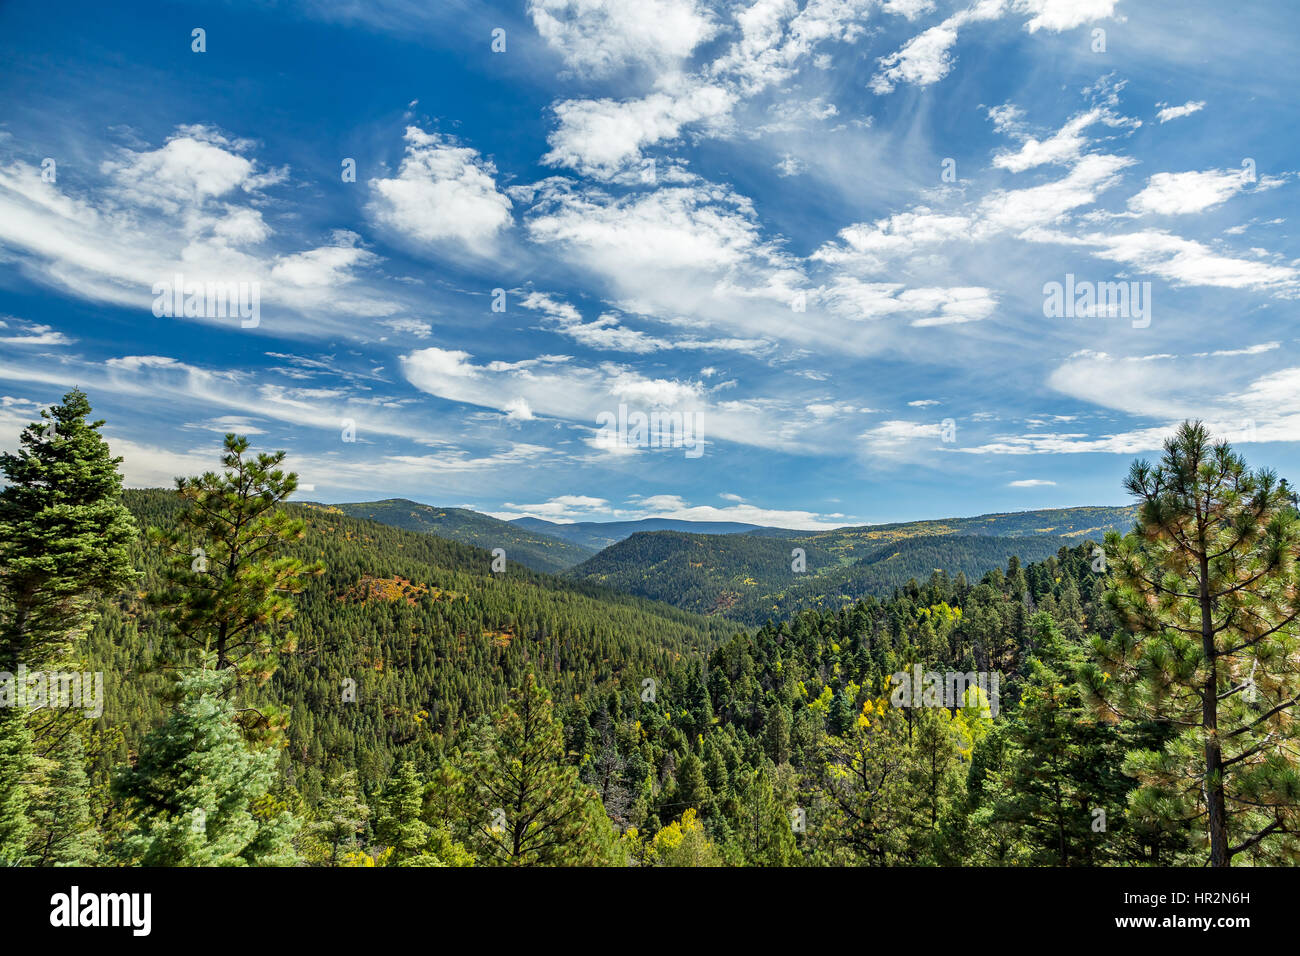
1206 588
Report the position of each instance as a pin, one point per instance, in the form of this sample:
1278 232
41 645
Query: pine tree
1061 785
861 786
199 794
766 833
228 593
16 765
64 541
935 774
64 534
339 818
1205 586
400 823
64 830
525 805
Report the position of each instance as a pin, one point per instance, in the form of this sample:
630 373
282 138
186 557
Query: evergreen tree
526 806
228 592
1206 588
198 793
16 766
64 542
64 534
766 834
1061 787
64 831
861 782
400 823
339 818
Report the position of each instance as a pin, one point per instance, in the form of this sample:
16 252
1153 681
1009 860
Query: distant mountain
749 577
596 535
1073 523
539 552
1062 522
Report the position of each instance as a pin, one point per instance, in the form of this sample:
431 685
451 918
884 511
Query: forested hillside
541 552
595 535
431 636
287 685
752 578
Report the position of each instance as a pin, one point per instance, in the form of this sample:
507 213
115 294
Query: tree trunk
1214 800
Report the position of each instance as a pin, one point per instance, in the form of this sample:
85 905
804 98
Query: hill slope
429 634
596 535
749 578
538 551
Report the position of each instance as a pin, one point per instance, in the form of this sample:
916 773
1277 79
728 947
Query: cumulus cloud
1176 194
442 193
1063 146
193 207
597 37
599 137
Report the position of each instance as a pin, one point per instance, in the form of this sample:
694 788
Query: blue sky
820 230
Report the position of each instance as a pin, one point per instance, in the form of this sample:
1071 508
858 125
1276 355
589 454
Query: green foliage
64 833
16 768
435 713
332 833
750 578
64 535
540 552
525 803
226 591
1206 588
199 794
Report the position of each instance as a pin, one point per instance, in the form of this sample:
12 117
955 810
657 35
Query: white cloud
1168 113
193 207
1020 209
790 165
674 506
556 387
1059 15
35 334
601 137
562 508
897 235
911 9
607 332
1188 262
596 37
412 327
927 57
1031 483
1176 194
1064 146
196 164
937 306
443 192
